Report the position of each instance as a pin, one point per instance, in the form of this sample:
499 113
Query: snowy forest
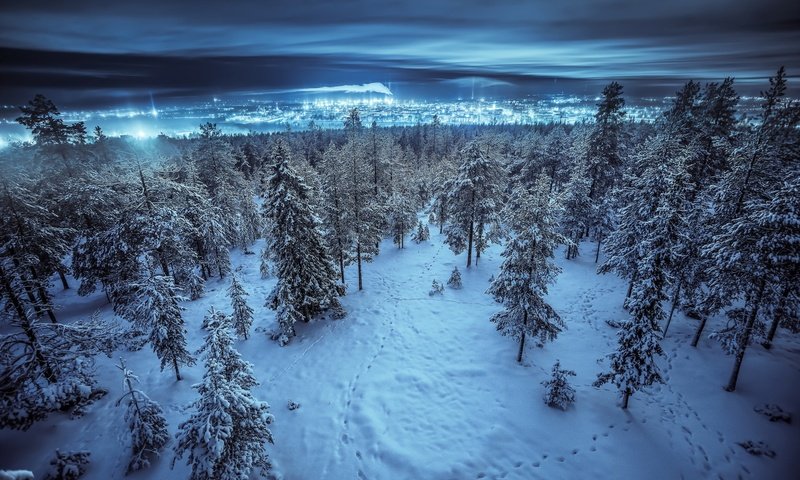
603 299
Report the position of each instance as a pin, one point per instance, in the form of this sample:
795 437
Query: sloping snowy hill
416 386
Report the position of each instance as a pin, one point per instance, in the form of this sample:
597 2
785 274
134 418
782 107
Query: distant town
244 115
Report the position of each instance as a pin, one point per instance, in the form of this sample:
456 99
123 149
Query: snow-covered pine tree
48 367
146 422
35 243
558 392
633 364
756 258
242 317
556 156
306 278
604 154
152 305
577 207
766 157
364 211
226 435
227 190
338 233
400 217
528 268
436 288
455 279
421 234
441 184
209 235
653 209
474 200
529 161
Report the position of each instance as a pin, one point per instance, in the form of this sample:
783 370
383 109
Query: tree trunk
599 241
175 365
672 309
748 330
522 338
773 328
699 331
26 286
63 277
341 264
43 297
164 267
776 319
625 396
469 245
577 242
358 255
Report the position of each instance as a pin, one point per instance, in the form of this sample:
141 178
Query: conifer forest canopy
377 240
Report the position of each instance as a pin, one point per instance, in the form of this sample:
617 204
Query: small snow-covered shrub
558 392
455 279
774 413
436 288
757 448
292 405
68 466
432 218
421 234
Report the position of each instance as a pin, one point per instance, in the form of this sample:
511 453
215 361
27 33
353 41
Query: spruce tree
364 211
633 364
455 279
146 422
226 434
33 241
604 155
338 233
577 208
558 392
528 268
756 259
421 234
474 201
306 278
152 305
242 317
400 217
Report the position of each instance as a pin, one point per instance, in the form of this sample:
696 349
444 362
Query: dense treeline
698 211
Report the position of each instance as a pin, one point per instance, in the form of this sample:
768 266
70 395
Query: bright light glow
154 112
140 134
374 87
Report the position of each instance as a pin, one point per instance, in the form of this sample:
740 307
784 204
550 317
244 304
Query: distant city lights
251 115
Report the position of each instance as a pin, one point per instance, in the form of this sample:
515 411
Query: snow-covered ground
422 387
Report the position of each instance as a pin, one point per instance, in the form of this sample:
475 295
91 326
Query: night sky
101 52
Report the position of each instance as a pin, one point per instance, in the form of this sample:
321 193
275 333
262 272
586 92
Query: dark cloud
187 48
